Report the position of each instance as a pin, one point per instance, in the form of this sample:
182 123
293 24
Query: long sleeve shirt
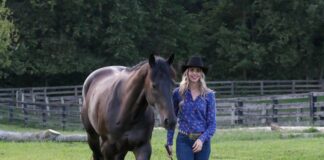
194 116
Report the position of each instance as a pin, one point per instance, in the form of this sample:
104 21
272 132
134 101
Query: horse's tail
85 88
87 83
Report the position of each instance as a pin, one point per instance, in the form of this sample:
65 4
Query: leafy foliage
240 40
265 39
7 33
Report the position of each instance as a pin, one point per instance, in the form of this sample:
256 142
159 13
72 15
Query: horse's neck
134 101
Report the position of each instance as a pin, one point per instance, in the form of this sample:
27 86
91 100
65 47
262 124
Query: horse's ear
152 60
170 59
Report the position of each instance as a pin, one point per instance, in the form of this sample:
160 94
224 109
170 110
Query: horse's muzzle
169 124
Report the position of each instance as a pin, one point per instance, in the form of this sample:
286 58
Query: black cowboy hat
195 61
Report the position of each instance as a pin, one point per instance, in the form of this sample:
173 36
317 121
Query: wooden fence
40 92
64 112
292 110
223 89
265 87
59 107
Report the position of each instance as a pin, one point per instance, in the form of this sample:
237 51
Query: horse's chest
130 139
139 129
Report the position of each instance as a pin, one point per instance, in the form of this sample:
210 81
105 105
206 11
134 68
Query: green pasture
227 144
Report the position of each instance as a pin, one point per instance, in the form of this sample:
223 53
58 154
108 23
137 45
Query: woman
195 107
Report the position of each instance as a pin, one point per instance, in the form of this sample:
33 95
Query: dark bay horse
117 113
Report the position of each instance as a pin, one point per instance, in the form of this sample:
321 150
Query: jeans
184 149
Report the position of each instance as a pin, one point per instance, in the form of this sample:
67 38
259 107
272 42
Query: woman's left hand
197 146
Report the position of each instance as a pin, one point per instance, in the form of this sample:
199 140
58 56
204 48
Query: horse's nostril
166 122
169 124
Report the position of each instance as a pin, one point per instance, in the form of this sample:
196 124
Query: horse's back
96 88
100 75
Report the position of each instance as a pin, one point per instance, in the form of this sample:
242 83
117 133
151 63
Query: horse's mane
137 66
140 64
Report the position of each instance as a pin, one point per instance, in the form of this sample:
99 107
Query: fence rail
266 87
223 88
64 114
293 110
300 110
59 107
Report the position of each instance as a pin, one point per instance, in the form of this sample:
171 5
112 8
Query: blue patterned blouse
194 116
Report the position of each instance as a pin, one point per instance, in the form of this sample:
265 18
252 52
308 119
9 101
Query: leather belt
192 136
183 132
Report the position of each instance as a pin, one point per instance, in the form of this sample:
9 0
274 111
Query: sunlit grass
226 145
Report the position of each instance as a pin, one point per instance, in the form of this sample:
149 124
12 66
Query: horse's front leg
143 152
120 156
108 150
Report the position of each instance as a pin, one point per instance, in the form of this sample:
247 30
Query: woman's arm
211 117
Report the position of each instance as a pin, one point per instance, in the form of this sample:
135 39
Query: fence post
275 102
261 88
47 106
312 107
264 114
232 89
293 87
63 117
75 91
22 99
13 95
24 108
34 101
239 112
322 85
321 117
63 114
80 109
62 100
233 115
44 115
11 108
17 97
299 115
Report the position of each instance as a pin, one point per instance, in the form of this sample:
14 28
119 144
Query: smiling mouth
195 77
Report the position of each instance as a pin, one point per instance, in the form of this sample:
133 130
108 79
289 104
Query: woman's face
194 74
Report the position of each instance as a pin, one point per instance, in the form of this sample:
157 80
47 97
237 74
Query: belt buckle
183 132
194 136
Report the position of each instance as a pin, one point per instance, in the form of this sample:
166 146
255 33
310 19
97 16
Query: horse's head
159 86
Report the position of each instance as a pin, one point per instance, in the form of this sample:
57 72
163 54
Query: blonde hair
184 84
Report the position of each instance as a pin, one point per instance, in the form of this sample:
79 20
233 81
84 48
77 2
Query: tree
65 37
265 39
7 35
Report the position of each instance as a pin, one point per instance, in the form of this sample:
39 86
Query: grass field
226 144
